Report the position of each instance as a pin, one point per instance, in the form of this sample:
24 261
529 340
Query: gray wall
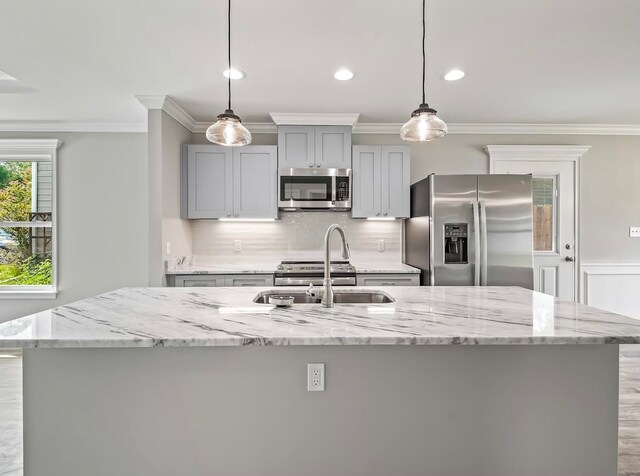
609 198
164 138
102 216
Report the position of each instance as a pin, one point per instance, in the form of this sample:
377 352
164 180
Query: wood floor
11 413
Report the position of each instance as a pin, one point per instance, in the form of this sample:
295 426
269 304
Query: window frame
35 150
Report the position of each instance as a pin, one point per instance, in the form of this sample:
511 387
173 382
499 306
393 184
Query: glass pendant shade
228 130
423 126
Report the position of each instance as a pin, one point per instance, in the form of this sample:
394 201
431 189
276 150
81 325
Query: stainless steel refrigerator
471 230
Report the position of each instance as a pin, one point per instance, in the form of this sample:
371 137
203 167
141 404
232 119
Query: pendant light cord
424 34
229 50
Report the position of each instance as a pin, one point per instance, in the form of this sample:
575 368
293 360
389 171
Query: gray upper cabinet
255 179
314 146
207 181
296 146
333 147
229 182
381 181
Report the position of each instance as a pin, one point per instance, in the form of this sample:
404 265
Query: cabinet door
200 281
333 147
396 184
209 175
365 201
249 280
296 146
255 180
388 279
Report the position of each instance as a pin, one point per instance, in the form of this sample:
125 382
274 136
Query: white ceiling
527 61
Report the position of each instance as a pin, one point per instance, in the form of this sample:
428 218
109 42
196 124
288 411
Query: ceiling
527 61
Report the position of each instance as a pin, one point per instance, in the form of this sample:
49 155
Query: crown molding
63 126
166 104
536 152
314 119
542 129
254 127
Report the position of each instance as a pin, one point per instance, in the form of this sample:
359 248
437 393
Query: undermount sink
339 297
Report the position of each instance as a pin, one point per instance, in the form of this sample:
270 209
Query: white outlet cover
380 245
315 377
237 245
634 231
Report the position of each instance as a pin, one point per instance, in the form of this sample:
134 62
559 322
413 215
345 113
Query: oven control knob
280 267
289 268
349 267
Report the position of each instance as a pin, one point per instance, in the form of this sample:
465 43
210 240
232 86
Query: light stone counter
195 317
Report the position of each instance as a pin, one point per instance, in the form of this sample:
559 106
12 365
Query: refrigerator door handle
483 226
476 243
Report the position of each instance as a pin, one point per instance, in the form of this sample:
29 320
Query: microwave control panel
342 189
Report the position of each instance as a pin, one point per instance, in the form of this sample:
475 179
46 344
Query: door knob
570 259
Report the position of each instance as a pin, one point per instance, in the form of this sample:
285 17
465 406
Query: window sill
27 292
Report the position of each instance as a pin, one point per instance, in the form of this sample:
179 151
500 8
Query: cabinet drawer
249 280
388 279
202 281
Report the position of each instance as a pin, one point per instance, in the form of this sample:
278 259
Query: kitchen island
443 381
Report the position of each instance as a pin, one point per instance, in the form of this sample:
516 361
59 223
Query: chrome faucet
327 295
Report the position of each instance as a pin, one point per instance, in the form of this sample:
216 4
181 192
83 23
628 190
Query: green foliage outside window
18 266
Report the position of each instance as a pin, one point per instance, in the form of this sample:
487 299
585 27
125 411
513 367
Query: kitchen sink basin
339 297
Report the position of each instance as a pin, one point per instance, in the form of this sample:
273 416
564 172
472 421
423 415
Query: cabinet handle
318 165
385 213
387 284
228 214
237 214
378 214
310 165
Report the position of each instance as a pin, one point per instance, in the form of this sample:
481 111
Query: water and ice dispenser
456 249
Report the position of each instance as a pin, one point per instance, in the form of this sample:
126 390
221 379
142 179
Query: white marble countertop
174 317
269 268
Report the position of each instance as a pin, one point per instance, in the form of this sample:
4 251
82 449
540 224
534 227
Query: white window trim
36 150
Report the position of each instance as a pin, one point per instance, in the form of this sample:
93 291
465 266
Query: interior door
554 234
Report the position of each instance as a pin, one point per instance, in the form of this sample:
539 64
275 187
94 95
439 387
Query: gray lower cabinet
219 280
225 182
381 181
196 280
370 279
249 280
314 146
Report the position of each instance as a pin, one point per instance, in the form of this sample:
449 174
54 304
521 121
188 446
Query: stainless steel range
303 273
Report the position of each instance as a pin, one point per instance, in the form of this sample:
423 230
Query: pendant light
424 125
228 129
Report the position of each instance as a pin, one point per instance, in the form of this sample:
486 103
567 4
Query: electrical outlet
168 247
380 245
315 377
634 231
237 245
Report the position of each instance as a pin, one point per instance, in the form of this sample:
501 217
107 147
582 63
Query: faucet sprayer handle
311 291
346 254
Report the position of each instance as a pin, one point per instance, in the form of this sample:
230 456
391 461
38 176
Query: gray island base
155 382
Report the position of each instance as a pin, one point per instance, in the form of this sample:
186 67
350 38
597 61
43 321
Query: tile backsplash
295 236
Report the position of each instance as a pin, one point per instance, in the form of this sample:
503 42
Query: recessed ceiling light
5 76
235 73
454 75
343 75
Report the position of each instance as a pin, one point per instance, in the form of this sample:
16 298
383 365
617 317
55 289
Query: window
544 201
27 218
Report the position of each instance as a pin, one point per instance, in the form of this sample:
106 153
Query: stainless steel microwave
322 189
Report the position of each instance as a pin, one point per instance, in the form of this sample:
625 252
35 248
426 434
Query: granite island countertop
175 317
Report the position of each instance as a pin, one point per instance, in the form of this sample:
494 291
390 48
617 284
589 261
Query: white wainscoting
614 287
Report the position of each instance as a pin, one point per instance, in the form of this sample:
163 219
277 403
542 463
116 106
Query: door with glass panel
554 234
